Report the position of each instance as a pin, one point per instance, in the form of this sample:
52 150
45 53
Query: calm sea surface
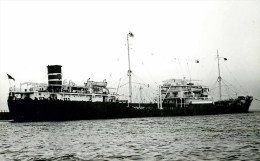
215 137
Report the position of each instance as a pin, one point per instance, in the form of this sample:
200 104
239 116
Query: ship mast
219 78
130 34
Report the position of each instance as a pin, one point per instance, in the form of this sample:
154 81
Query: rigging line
151 100
213 89
124 92
211 71
144 83
235 78
152 95
180 67
175 67
227 95
235 92
218 86
213 85
235 89
138 78
114 82
147 95
188 69
149 74
134 94
122 79
229 84
124 84
146 92
228 88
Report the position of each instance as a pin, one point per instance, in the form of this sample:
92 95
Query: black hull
5 116
56 110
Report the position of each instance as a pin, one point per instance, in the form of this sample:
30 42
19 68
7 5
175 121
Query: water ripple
218 137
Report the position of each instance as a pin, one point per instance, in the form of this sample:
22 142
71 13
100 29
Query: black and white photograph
108 80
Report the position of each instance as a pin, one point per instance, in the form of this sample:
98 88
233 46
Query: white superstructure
183 92
91 91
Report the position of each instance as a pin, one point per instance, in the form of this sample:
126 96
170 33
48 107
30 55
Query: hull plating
55 110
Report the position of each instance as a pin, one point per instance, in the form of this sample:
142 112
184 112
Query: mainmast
219 78
129 68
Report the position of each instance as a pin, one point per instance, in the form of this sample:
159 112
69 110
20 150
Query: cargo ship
57 101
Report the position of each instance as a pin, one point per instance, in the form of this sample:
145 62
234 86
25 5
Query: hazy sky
88 38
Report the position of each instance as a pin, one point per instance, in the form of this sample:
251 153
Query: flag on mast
10 77
131 34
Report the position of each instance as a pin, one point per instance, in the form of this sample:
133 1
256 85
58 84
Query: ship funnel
54 78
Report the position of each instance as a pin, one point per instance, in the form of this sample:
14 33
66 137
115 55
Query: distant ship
56 101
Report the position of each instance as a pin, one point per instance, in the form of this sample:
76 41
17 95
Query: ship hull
57 110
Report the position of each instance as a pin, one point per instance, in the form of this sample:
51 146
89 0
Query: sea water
212 137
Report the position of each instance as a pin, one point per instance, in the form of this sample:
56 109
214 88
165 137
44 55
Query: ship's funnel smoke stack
54 78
